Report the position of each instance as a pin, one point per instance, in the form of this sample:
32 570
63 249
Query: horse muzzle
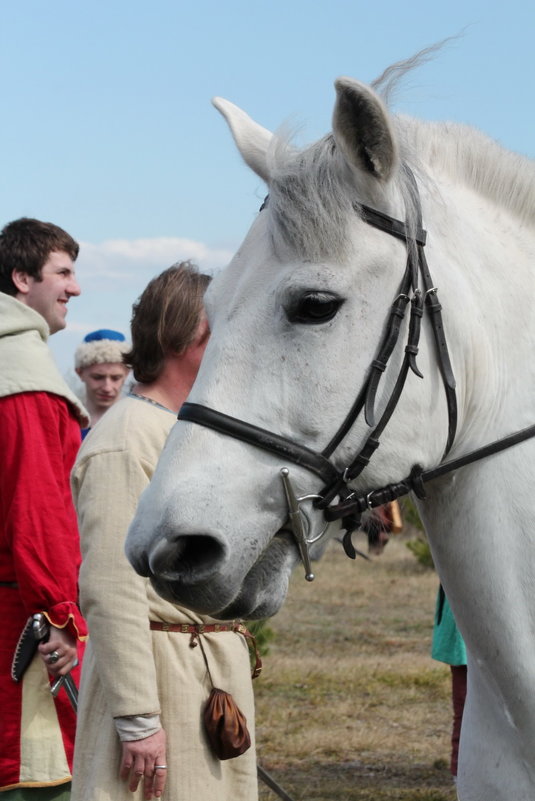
200 571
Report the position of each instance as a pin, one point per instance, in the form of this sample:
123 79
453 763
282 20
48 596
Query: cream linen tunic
129 669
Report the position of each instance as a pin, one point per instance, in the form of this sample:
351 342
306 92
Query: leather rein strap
351 506
415 481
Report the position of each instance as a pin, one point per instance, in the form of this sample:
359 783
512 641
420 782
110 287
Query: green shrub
410 514
262 633
420 548
419 545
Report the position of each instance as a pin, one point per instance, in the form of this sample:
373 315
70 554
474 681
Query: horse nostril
187 559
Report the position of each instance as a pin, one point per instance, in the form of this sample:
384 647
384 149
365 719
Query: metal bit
296 523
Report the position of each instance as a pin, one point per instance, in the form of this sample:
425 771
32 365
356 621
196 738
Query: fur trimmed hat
100 347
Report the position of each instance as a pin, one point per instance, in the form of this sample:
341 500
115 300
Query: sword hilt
41 627
41 632
71 689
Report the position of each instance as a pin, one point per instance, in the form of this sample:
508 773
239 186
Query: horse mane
313 195
473 159
313 192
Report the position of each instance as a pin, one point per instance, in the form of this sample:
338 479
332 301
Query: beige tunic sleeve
106 487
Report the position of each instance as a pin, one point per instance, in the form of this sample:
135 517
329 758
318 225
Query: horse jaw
363 131
252 139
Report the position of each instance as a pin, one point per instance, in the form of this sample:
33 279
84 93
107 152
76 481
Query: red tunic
39 552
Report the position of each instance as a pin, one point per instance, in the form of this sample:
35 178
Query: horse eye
314 307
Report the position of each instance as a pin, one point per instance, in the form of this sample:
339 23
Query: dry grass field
350 705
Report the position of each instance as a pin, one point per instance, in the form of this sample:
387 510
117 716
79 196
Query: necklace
149 400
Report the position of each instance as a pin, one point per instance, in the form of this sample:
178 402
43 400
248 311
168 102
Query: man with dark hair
26 245
40 421
144 685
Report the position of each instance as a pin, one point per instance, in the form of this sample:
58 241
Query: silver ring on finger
160 767
53 657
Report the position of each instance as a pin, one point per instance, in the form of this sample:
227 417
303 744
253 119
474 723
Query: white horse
300 321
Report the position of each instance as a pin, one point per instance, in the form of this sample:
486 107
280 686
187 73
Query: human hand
145 759
61 643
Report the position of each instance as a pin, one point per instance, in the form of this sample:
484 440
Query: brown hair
26 244
165 319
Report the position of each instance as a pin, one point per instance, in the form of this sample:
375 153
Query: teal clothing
448 645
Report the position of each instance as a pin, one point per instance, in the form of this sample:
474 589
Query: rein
350 505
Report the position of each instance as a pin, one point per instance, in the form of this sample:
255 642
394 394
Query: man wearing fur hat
99 364
40 421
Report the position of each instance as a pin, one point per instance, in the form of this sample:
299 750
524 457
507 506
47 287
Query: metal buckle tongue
296 523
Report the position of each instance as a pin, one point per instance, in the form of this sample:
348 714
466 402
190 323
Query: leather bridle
336 499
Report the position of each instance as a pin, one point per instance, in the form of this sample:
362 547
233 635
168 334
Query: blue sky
107 127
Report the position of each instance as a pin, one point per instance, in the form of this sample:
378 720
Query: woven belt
196 629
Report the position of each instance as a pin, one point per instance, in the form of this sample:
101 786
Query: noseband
336 499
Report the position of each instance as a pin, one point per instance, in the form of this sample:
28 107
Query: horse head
296 319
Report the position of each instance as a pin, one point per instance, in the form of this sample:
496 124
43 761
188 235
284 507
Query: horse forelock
309 202
315 196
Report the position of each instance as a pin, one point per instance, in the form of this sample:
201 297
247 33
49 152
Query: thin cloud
113 274
125 261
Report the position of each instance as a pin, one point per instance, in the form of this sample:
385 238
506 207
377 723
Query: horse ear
362 129
252 140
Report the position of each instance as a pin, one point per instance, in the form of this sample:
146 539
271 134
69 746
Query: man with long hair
150 665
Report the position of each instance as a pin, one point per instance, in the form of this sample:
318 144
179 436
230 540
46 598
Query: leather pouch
225 725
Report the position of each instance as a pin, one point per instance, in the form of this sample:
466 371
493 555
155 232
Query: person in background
448 646
379 524
150 665
98 361
40 421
